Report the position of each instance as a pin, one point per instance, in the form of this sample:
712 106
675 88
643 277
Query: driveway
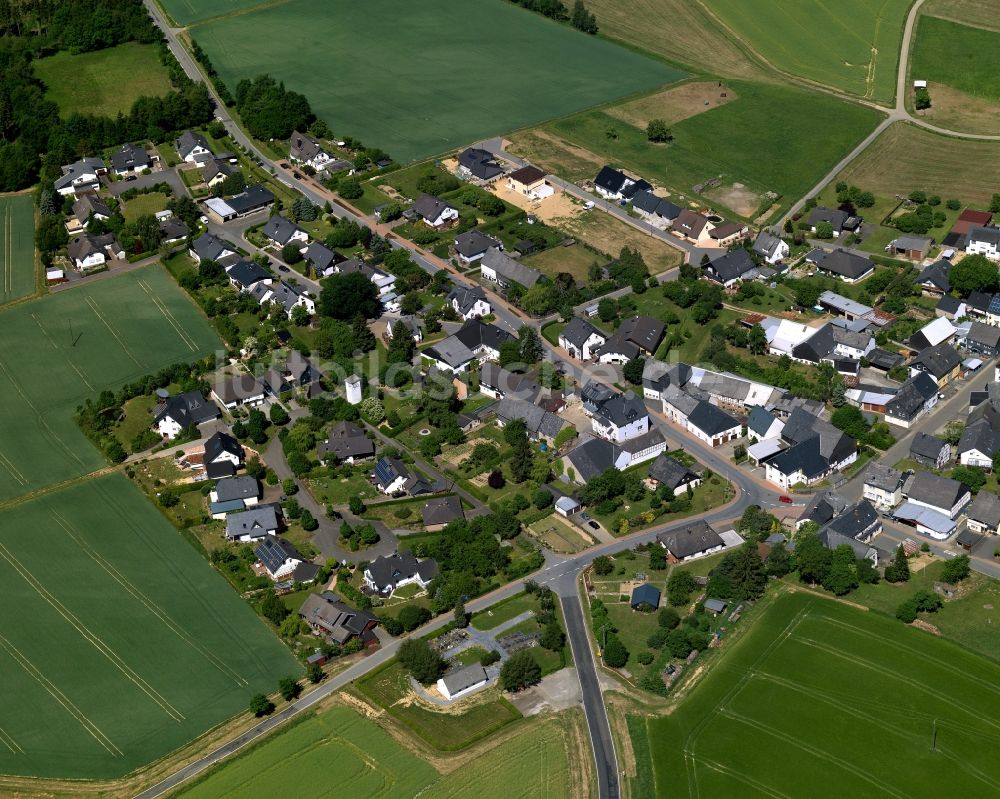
168 176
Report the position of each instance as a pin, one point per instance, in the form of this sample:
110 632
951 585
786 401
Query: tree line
580 18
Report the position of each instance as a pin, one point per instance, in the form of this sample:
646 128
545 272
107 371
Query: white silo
354 391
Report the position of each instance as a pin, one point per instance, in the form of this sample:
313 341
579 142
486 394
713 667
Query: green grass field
739 141
341 748
17 247
836 702
851 45
957 55
58 351
445 731
144 204
118 644
401 82
103 82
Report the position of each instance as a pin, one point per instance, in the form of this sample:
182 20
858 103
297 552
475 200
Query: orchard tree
974 273
658 131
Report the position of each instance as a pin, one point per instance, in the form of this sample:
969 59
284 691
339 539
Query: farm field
369 763
853 45
737 141
814 684
154 648
414 112
103 82
58 351
184 12
678 30
17 247
964 169
979 13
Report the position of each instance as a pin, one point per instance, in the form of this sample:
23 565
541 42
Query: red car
786 500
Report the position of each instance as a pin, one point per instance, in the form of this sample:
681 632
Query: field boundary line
59 349
8 250
730 772
10 742
767 729
910 650
111 330
16 473
41 419
182 577
153 608
60 697
90 636
171 319
892 675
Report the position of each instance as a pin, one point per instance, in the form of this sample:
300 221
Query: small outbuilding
567 506
715 606
463 681
645 594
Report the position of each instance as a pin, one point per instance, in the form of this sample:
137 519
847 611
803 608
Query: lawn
103 82
959 56
154 648
458 95
853 45
737 142
450 731
368 762
814 684
17 247
58 351
144 204
504 611
964 169
609 234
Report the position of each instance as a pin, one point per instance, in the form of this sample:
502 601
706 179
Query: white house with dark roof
637 335
773 249
253 524
580 339
473 244
655 210
612 184
469 302
941 494
694 540
184 410
479 164
462 681
277 557
930 451
847 266
435 213
730 268
303 149
620 418
984 241
193 148
669 472
208 247
385 574
500 268
280 231
80 176
130 158
983 515
474 340
839 220
883 486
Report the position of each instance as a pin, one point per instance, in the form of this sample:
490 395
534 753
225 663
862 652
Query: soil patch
674 105
736 197
958 110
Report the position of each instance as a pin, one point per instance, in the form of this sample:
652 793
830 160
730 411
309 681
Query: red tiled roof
975 217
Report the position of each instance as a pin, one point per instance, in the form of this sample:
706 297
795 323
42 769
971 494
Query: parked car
130 178
282 268
588 205
786 500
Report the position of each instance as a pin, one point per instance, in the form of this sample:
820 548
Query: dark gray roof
70 172
187 142
536 419
931 489
474 242
255 522
130 156
593 457
938 360
846 264
387 571
210 248
670 472
987 235
856 522
985 335
645 594
634 334
253 199
242 487
710 419
246 273
507 267
173 229
480 334
279 229
480 163
759 421
766 244
804 457
834 216
188 408
509 383
883 477
622 410
321 256
339 621
646 201
220 443
578 330
610 179
911 397
217 166
883 359
731 266
304 148
696 536
346 440
823 507
982 431
430 207
273 551
467 297
88 205
948 304
835 445
979 300
442 510
936 274
985 508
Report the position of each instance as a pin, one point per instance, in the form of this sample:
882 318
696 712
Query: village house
252 200
253 524
469 302
580 339
984 241
345 443
280 231
245 275
883 486
839 220
472 245
913 247
980 439
500 268
669 472
435 213
771 248
816 449
478 164
730 268
693 227
80 176
392 478
941 362
131 158
530 182
497 382
475 340
930 451
322 258
613 184
385 574
635 336
193 148
912 400
726 234
620 418
241 389
655 210
935 279
935 332
841 264
181 411
439 512
208 247
712 425
332 619
281 561
694 540
940 494
459 682
540 424
983 515
304 149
